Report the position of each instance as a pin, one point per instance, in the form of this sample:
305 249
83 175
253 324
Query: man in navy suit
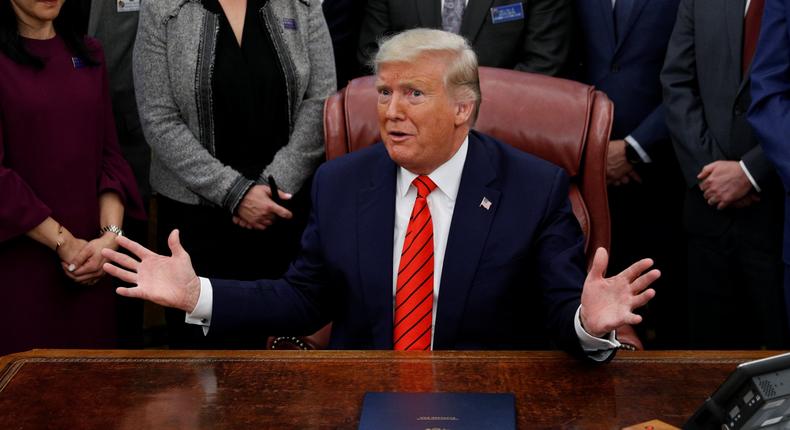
621 48
434 239
769 114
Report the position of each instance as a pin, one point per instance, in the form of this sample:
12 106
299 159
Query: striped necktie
414 291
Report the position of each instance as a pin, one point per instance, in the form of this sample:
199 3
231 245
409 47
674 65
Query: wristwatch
112 229
631 155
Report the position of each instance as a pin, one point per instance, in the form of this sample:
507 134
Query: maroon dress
58 152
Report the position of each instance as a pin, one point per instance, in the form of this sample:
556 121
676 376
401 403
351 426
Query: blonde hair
461 77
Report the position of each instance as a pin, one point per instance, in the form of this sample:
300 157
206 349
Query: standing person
769 113
622 44
733 207
230 93
64 185
530 36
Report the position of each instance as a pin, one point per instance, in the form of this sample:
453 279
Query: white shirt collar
447 177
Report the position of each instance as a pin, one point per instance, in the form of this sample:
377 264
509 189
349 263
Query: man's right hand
618 170
167 281
258 211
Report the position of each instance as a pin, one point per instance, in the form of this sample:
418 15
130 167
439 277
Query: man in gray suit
114 24
733 207
531 36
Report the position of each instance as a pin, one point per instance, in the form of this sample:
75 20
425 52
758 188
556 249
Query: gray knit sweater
173 63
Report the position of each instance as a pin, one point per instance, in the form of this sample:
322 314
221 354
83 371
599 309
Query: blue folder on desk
451 411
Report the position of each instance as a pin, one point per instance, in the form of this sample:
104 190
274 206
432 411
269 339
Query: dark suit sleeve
547 38
695 146
652 132
296 305
758 165
769 114
560 262
375 24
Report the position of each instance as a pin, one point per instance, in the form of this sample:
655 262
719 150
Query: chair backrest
564 122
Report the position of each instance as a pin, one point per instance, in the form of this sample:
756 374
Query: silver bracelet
112 229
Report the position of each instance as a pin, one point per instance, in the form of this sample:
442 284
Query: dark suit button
738 111
615 67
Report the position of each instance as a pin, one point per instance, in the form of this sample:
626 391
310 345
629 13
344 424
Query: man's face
422 126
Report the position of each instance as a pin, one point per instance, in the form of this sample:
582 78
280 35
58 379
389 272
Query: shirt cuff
638 148
598 349
749 175
201 315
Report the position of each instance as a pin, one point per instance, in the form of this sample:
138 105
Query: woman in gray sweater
231 93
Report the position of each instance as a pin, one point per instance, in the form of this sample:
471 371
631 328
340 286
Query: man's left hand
608 303
723 183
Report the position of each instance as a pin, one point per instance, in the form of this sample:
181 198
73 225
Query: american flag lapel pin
485 203
77 62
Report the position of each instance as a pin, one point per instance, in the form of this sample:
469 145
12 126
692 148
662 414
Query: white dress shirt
441 203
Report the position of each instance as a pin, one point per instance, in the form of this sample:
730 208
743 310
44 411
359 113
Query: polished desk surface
74 389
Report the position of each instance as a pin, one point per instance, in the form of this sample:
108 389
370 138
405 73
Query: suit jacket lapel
468 233
607 17
475 15
636 10
376 203
429 13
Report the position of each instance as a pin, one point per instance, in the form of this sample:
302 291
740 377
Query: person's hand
608 303
70 247
88 262
258 211
723 183
618 170
68 252
167 281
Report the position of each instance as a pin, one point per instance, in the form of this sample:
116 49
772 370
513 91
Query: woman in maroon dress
63 182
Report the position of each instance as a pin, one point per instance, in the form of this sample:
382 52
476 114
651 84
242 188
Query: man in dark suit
621 46
115 25
432 240
531 36
769 113
733 207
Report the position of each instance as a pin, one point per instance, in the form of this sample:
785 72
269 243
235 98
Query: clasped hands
258 211
724 184
84 258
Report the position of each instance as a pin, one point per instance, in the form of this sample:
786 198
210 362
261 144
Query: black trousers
736 298
220 249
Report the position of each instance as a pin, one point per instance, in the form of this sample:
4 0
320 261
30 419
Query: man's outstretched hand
167 281
608 303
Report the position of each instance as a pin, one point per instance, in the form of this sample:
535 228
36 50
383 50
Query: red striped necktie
751 32
414 291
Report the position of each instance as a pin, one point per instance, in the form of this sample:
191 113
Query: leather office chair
564 122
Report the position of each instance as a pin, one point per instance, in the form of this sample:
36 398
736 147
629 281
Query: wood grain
324 389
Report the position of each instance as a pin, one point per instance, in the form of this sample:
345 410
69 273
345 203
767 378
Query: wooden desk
324 389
